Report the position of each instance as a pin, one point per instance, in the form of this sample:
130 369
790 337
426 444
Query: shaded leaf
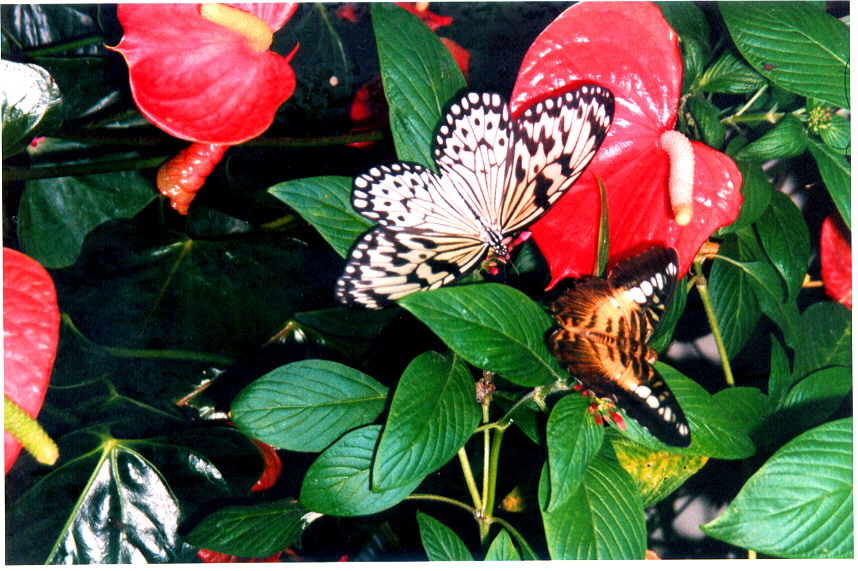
787 139
790 257
433 413
338 482
757 193
729 74
710 130
825 339
817 396
836 173
799 503
440 542
305 406
494 327
780 377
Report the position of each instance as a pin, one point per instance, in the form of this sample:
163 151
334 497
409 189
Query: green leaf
604 238
440 542
836 173
325 202
419 77
756 194
780 377
790 257
574 439
799 503
729 74
602 519
690 23
121 501
494 327
89 84
667 324
716 430
31 106
795 46
338 482
433 413
502 548
304 406
788 138
734 303
817 396
837 135
656 474
348 332
710 130
825 339
257 530
56 214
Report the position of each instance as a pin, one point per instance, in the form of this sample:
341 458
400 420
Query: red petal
347 11
434 21
31 330
460 55
199 81
273 467
629 48
836 258
215 557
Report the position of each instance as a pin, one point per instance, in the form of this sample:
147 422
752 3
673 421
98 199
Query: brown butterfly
605 328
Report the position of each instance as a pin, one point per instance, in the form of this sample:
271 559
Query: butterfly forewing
604 328
434 228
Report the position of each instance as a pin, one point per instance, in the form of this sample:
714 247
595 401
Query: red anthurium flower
421 10
31 332
273 467
203 72
629 48
208 556
836 258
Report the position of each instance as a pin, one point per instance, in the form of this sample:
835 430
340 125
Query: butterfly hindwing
602 340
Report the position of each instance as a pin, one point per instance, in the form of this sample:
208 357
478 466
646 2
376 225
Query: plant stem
64 47
703 290
489 499
469 478
434 498
127 352
81 169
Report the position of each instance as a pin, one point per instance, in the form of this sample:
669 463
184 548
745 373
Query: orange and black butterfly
605 328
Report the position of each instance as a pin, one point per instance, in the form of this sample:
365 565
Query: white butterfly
497 177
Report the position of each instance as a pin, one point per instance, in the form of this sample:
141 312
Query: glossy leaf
780 376
656 474
729 74
708 126
663 336
440 542
115 501
494 327
795 46
799 504
826 339
305 406
734 303
338 482
325 202
57 213
433 413
502 548
419 77
574 439
602 519
817 396
836 173
838 135
783 218
31 105
787 139
256 530
757 193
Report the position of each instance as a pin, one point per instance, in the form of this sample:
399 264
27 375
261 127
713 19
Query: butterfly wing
604 327
555 141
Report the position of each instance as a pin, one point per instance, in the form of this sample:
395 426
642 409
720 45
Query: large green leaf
825 339
729 74
440 542
787 139
797 47
602 519
799 503
419 77
756 194
494 327
257 530
836 173
708 126
31 105
790 257
574 439
817 396
305 406
433 413
56 214
121 501
325 202
338 482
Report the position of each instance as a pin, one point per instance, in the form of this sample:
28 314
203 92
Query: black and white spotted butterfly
605 326
497 177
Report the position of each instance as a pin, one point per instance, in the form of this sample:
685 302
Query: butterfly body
496 176
605 326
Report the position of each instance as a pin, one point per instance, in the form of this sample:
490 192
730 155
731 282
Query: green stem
178 355
469 478
703 290
63 47
80 169
29 433
489 499
434 498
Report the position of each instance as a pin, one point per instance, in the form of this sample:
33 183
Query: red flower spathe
198 80
835 253
629 48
